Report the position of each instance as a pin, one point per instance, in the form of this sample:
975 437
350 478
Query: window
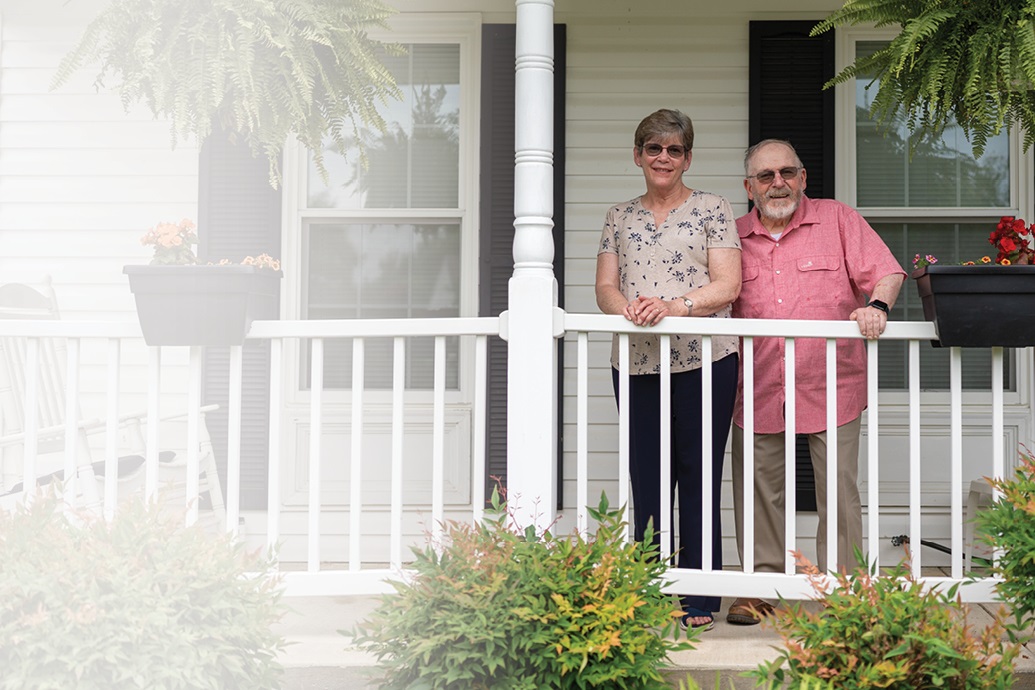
942 173
415 163
386 271
938 200
386 234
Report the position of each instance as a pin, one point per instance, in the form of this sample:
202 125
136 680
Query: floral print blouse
668 262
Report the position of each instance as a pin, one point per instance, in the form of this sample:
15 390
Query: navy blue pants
686 430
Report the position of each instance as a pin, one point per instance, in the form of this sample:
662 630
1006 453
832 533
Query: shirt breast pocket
820 279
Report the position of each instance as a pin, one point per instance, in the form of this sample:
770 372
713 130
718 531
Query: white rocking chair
49 447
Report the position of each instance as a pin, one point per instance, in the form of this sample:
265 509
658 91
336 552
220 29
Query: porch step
318 657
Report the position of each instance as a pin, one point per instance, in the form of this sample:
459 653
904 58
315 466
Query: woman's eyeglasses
767 176
675 151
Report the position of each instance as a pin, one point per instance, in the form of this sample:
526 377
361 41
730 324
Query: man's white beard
779 211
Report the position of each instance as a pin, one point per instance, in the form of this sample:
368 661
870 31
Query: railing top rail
330 328
486 325
791 328
375 328
57 328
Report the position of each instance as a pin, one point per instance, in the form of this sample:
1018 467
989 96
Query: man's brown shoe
748 611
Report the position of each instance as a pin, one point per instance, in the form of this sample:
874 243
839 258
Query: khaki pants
770 549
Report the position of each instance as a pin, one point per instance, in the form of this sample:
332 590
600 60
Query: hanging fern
261 70
968 61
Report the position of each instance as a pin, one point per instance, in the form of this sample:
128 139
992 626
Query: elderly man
804 259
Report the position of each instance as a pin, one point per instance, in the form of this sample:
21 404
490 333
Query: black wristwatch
883 306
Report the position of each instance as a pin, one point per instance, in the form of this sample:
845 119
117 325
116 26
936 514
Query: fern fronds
264 70
966 61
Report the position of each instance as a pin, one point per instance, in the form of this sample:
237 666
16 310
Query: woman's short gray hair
662 124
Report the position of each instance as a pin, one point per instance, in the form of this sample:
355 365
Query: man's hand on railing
872 321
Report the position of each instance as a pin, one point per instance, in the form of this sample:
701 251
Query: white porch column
532 361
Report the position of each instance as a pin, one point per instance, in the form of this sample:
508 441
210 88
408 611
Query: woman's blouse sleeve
723 231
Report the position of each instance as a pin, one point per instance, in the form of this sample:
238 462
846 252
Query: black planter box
979 306
202 305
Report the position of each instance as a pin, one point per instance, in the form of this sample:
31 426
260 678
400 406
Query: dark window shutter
496 235
238 216
560 49
787 101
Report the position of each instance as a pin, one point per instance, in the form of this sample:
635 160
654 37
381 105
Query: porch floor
320 658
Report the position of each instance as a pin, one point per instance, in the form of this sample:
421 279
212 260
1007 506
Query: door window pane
383 271
942 171
415 163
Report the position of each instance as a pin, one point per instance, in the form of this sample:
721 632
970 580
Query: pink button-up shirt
825 263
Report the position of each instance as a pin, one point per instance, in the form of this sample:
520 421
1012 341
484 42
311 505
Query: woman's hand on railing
649 311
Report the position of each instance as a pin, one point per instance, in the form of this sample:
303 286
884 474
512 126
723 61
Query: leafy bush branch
135 602
1009 527
884 631
498 607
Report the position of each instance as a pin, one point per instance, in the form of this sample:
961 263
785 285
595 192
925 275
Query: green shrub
1009 525
137 602
496 607
885 632
804 684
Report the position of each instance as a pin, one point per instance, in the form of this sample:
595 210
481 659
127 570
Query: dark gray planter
979 306
202 305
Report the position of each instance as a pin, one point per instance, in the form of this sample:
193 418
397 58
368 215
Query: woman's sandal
689 613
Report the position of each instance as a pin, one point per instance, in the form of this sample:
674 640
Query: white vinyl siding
81 180
618 73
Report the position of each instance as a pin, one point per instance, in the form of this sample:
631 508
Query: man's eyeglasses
675 151
767 176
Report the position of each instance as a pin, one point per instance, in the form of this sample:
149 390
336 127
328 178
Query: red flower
1012 239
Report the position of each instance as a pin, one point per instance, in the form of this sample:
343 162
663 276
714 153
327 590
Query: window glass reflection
383 271
415 162
942 171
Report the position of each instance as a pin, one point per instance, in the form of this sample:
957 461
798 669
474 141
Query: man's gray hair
752 150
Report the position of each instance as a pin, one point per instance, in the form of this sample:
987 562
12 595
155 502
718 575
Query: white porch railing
357 578
789 584
354 571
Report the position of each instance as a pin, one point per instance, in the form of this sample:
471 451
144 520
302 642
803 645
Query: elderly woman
673 252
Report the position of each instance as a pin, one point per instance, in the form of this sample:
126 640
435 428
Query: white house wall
623 65
81 180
